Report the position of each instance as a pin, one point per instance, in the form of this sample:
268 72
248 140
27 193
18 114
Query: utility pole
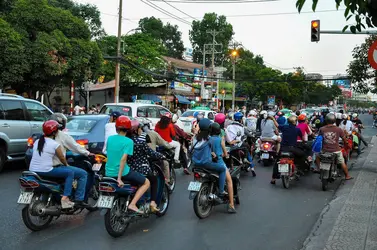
214 33
234 56
117 67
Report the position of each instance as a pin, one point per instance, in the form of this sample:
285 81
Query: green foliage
13 63
359 69
168 35
199 37
363 11
140 49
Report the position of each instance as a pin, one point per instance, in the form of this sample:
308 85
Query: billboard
187 55
345 86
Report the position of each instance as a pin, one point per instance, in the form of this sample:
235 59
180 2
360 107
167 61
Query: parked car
19 118
152 112
188 117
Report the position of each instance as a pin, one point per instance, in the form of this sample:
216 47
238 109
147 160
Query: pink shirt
305 130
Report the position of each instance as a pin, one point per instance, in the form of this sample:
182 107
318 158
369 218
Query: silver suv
19 119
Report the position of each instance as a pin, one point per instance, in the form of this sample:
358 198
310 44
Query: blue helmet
204 124
198 115
238 116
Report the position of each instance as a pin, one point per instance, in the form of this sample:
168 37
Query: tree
359 69
142 51
168 35
58 44
364 12
199 36
13 63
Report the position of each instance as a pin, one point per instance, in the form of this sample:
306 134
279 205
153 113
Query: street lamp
223 93
234 56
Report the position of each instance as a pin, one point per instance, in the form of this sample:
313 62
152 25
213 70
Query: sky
283 40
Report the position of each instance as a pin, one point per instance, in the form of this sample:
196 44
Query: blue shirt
290 134
215 142
281 120
117 146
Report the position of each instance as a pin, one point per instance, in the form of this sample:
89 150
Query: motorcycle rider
359 124
166 130
346 125
229 119
289 144
269 129
198 115
234 133
331 134
220 119
119 149
281 119
110 128
220 168
251 121
85 179
44 149
182 135
262 116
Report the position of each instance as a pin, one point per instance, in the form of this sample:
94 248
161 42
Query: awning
182 99
101 86
150 97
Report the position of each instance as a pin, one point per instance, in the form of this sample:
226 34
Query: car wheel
2 158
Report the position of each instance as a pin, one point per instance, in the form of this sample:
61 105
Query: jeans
177 148
81 176
61 172
220 168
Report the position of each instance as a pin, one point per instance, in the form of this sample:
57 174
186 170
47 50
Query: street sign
372 55
271 100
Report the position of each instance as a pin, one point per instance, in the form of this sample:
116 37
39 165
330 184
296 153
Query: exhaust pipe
54 211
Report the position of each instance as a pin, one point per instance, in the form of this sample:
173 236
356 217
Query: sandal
138 211
67 204
349 178
231 210
154 209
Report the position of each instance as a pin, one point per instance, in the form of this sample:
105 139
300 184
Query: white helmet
354 115
263 112
175 118
271 113
344 116
252 113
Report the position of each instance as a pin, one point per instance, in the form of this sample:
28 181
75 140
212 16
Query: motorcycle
114 201
267 151
328 169
204 190
237 158
287 168
41 198
169 155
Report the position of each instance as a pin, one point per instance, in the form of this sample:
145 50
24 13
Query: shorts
134 178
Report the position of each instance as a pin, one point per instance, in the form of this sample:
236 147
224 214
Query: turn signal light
30 142
266 146
83 143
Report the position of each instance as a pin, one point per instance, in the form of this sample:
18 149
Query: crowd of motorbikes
41 196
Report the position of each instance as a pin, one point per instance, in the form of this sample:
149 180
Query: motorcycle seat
50 180
268 140
114 180
287 154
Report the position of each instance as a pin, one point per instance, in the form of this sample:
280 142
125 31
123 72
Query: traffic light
315 31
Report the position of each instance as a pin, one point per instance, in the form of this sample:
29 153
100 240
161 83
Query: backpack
202 155
317 144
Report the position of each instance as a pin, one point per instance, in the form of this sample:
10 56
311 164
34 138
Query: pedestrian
179 112
77 109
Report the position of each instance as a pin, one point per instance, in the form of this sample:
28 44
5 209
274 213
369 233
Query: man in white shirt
346 124
77 109
110 128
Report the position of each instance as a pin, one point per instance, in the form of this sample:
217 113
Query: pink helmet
220 118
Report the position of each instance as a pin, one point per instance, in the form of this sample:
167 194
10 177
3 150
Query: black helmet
204 124
60 118
115 114
330 118
215 129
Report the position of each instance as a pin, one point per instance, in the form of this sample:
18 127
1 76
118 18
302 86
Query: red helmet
168 115
220 118
49 127
123 122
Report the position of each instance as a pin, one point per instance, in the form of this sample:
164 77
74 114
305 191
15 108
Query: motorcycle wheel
237 193
28 219
116 221
202 205
173 179
325 184
266 162
286 181
164 204
93 198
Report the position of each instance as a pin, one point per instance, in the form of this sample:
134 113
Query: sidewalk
349 221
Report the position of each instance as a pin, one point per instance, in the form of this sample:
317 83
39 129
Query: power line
154 6
217 1
179 10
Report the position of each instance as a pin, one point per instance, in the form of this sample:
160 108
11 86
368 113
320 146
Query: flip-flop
349 179
138 211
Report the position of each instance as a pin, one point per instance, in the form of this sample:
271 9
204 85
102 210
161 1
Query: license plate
325 166
283 168
96 166
25 197
265 156
194 186
187 124
105 201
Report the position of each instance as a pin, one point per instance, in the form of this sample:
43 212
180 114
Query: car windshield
188 113
80 124
124 110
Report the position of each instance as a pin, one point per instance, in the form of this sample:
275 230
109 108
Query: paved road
269 217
